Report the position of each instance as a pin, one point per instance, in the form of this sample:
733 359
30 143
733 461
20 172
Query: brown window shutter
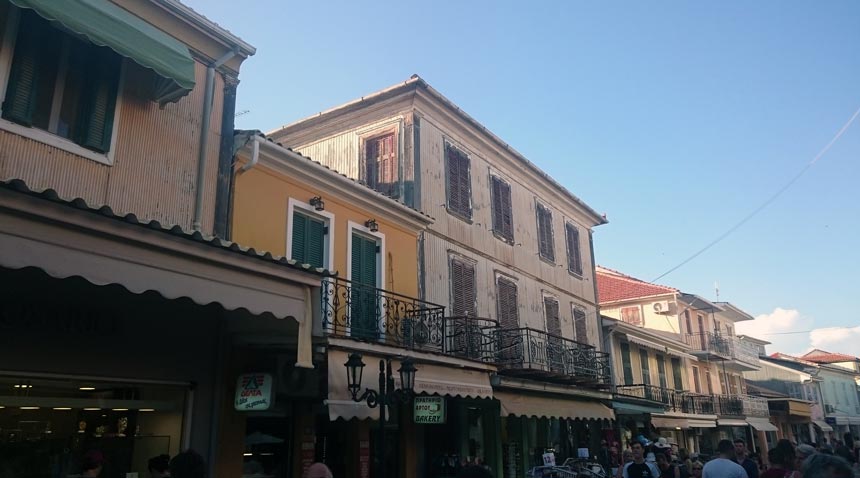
381 168
553 322
462 288
453 164
580 325
508 311
544 216
574 254
502 214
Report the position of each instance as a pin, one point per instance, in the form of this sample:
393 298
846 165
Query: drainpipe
204 131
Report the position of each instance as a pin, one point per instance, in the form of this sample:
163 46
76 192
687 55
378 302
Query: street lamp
386 395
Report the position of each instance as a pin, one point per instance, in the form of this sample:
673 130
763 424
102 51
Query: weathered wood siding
155 158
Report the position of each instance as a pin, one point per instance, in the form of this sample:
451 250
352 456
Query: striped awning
521 405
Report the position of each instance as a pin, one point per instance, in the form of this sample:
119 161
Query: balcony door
364 300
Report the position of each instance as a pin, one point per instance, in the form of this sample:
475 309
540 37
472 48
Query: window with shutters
458 182
574 253
631 315
687 322
626 364
503 222
507 306
62 85
553 321
697 385
308 240
676 374
646 366
708 382
580 324
546 246
381 169
463 288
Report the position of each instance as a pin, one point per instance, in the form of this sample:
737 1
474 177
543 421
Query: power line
805 331
767 202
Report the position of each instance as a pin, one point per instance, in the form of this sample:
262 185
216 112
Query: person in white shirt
724 466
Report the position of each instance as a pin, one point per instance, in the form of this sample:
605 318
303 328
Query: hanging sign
253 392
429 410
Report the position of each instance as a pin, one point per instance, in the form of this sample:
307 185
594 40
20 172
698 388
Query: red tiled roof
823 356
614 286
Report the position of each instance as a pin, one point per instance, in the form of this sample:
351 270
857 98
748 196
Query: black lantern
354 371
407 375
372 225
318 203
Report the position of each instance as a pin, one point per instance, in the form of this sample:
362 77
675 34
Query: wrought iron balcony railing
527 351
755 406
689 402
645 392
729 405
745 352
362 312
710 343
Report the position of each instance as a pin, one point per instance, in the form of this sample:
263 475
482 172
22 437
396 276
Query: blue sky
674 118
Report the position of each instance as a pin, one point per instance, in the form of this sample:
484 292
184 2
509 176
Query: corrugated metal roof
20 186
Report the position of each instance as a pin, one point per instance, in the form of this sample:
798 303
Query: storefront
690 431
533 425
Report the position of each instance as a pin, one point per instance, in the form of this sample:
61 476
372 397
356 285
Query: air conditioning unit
662 307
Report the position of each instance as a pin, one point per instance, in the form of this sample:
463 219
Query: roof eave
213 29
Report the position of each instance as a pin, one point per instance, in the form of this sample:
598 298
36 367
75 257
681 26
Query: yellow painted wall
259 220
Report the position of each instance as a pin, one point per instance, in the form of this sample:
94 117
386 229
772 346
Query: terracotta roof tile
823 356
614 286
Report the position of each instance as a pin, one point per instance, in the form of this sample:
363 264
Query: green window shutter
369 263
627 365
661 371
300 226
20 101
646 367
98 102
315 242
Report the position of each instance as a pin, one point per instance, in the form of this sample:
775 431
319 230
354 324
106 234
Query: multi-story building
840 376
710 399
508 244
122 313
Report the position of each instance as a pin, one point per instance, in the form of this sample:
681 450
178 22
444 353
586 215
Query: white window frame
326 217
362 230
7 50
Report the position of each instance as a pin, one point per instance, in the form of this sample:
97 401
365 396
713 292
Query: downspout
208 93
224 183
600 337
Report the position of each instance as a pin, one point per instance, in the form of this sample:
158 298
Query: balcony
536 354
709 345
693 403
745 354
741 406
645 392
362 312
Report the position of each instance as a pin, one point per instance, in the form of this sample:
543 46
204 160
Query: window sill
58 142
575 274
504 239
459 216
547 259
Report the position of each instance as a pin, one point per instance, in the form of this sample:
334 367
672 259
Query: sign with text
253 392
429 410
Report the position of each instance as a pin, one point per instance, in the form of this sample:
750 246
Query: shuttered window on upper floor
61 84
381 168
646 366
507 307
574 254
463 298
308 241
631 315
676 374
580 325
546 246
553 321
626 364
458 182
503 215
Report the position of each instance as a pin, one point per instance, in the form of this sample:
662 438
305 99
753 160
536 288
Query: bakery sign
253 392
429 410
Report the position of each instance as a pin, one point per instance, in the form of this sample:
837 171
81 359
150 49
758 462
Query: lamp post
386 395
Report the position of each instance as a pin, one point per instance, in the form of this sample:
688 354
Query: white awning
841 420
731 422
702 423
429 378
645 343
518 404
762 424
821 424
669 423
854 420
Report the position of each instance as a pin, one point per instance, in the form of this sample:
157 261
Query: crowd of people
646 459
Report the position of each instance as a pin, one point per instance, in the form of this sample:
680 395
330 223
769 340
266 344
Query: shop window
47 426
62 85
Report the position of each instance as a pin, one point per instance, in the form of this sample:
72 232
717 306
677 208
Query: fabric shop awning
670 423
731 422
430 379
799 409
701 423
551 407
624 408
762 424
821 424
107 24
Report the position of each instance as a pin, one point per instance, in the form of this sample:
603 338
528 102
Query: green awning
106 24
623 408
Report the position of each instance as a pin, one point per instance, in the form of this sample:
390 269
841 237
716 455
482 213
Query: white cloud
777 327
844 340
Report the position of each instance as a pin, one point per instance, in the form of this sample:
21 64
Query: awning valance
430 379
762 424
517 404
624 408
701 423
841 420
731 422
799 409
854 420
645 343
670 423
107 24
822 425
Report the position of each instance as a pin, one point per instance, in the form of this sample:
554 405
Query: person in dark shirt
742 459
639 468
